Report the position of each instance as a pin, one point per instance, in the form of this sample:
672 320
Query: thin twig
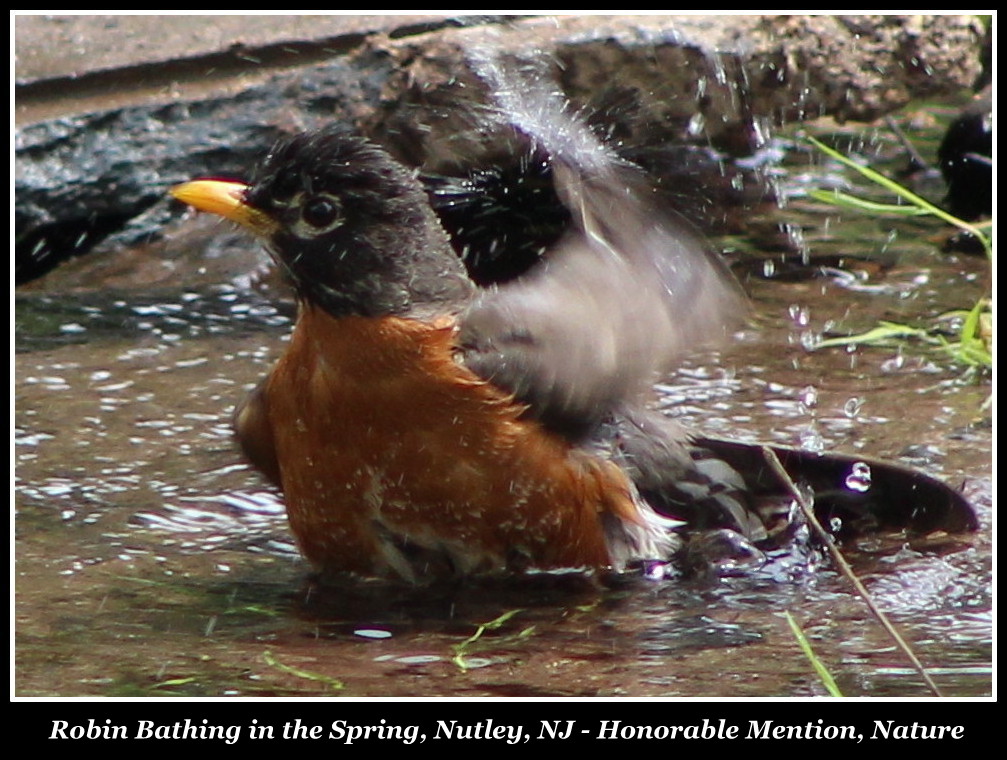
916 160
840 560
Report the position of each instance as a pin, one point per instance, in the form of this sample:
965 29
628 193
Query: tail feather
853 494
714 485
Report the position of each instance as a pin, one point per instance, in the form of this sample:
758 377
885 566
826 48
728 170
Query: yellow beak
226 199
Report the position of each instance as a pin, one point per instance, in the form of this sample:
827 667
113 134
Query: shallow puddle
150 561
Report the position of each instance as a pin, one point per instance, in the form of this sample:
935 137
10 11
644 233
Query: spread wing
626 292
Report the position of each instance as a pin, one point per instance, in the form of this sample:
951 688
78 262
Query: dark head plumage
351 228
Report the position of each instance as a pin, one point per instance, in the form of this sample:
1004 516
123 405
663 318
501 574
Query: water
150 561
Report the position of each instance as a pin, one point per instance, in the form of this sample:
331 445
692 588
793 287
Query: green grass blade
843 200
904 193
885 331
823 673
332 683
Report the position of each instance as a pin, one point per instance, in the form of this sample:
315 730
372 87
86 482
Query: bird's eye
320 211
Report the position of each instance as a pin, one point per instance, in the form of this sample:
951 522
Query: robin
421 425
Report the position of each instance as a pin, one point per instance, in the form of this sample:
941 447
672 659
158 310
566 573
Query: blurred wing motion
626 292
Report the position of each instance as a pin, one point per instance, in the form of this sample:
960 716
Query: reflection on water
152 561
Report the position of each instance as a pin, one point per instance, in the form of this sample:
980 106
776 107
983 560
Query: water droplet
372 633
809 397
852 407
761 130
423 659
859 478
894 364
799 315
473 663
809 340
811 440
795 233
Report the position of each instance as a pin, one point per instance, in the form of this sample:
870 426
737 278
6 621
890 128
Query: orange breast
396 460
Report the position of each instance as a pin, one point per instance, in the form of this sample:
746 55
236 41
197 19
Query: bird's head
351 227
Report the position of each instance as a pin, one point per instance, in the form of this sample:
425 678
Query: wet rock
726 80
